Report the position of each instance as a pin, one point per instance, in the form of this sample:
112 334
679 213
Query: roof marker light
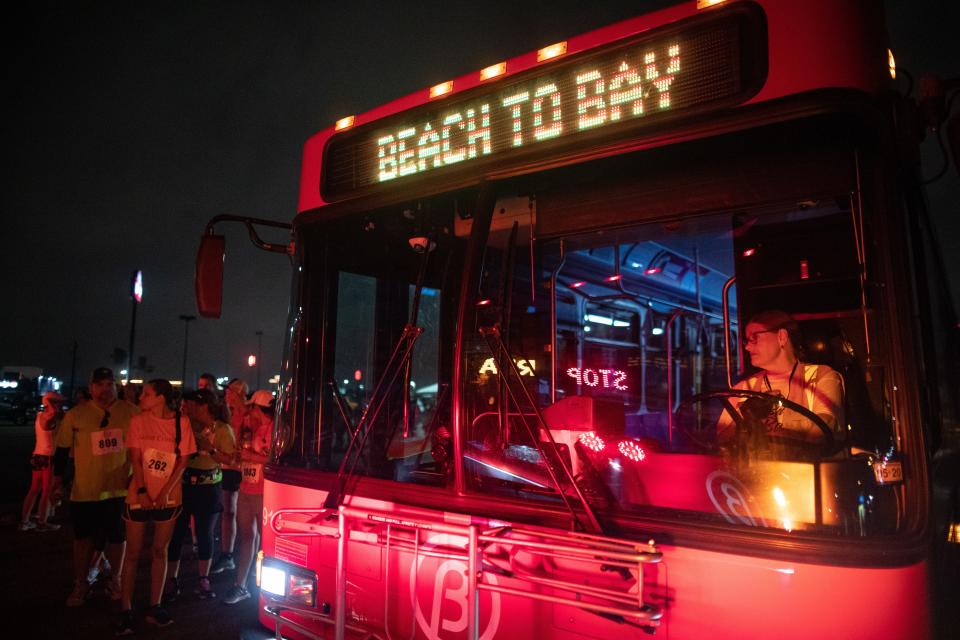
578 284
493 71
614 278
344 123
652 271
552 51
441 89
749 252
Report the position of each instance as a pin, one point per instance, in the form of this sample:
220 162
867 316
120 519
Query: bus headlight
288 583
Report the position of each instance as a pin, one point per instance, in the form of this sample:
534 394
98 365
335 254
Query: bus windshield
627 361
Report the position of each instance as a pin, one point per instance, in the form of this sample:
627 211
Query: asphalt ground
36 575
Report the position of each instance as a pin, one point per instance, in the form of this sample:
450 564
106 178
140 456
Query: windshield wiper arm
505 364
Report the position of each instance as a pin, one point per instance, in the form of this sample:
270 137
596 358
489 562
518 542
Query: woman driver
771 339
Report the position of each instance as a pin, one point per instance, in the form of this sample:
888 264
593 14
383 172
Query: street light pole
259 355
186 339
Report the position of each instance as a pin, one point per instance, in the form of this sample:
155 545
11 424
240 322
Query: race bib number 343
106 441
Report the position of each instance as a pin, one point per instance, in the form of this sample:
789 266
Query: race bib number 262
106 442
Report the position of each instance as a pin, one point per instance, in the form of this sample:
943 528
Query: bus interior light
344 123
441 89
493 71
552 51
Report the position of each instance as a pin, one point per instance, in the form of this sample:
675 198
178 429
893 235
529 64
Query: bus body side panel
702 593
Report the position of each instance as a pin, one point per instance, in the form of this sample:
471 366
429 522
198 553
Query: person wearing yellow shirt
95 433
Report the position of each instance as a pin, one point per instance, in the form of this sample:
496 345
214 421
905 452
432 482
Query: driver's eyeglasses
752 338
105 419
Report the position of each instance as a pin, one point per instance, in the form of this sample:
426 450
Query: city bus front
636 381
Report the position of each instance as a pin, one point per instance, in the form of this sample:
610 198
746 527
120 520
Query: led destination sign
645 81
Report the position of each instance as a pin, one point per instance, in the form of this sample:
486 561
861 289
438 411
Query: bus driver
772 340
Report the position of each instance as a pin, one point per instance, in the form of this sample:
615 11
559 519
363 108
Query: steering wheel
829 445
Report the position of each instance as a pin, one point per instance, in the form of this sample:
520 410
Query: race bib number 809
106 442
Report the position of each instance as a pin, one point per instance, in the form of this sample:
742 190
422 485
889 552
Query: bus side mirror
208 276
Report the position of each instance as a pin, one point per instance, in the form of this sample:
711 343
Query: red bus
526 309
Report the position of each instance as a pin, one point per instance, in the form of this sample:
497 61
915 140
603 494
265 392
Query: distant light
552 51
652 270
493 71
892 63
123 372
251 360
786 570
136 381
176 383
657 331
137 287
441 89
636 265
275 379
749 252
578 284
587 329
804 270
344 123
9 384
357 375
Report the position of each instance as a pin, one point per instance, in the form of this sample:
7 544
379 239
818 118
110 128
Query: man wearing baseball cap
96 433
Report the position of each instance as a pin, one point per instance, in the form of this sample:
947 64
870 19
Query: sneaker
157 615
114 590
224 563
27 526
92 574
172 592
204 590
47 526
236 594
79 595
124 625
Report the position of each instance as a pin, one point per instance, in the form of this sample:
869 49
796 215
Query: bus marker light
441 89
493 71
652 271
578 284
344 123
749 252
614 278
483 303
552 51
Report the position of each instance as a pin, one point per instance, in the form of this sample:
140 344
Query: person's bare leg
162 533
31 497
128 575
228 522
115 553
82 550
46 484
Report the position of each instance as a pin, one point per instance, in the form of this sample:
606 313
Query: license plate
890 472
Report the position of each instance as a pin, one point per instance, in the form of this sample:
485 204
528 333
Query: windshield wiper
511 375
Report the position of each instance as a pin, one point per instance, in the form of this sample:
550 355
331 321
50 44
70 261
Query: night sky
132 124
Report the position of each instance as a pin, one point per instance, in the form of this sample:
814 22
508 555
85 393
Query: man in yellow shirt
96 432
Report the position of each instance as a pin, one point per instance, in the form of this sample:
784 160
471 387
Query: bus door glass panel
373 270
